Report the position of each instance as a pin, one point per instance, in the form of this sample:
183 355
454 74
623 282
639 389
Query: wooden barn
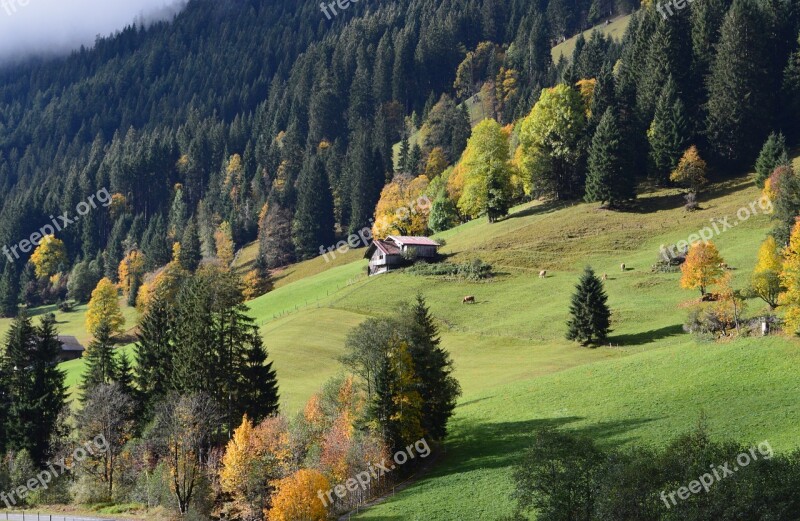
71 349
394 251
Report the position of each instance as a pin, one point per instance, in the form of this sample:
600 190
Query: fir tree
438 388
19 407
49 389
608 179
739 103
773 154
590 322
9 292
313 225
258 394
405 150
191 254
101 362
154 352
669 134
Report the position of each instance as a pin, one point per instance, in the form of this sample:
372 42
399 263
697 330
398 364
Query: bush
475 270
565 477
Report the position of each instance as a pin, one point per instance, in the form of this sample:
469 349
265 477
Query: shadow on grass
548 207
500 445
647 337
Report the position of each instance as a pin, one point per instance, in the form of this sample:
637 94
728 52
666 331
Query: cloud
41 27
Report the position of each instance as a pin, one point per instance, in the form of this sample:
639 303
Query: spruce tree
438 387
790 95
590 315
191 254
773 154
609 179
20 407
739 104
669 134
258 392
49 389
9 292
153 352
101 362
313 225
405 151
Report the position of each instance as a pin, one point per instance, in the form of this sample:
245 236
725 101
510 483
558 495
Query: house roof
388 248
413 241
70 343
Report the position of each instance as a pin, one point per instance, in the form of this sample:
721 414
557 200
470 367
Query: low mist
53 27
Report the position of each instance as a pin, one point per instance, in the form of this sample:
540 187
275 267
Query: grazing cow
622 266
605 277
469 300
723 266
543 274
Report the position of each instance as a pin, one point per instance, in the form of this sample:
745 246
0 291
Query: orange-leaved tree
298 497
765 280
703 267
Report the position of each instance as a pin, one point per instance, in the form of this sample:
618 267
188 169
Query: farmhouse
71 349
394 251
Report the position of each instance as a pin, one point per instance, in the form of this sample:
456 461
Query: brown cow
469 300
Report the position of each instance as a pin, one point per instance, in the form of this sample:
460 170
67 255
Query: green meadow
517 371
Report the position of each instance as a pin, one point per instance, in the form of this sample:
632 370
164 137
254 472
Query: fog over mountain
45 27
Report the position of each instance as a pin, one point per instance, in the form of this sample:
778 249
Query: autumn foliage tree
790 279
486 172
48 256
104 309
703 267
297 497
691 171
225 246
131 271
765 281
399 211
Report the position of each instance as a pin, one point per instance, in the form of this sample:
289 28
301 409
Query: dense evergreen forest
223 114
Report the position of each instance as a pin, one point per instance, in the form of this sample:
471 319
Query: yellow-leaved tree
403 208
48 256
703 267
790 279
765 281
297 497
436 164
691 171
104 309
224 239
131 270
487 172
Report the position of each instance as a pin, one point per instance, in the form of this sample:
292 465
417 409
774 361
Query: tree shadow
540 209
647 337
499 445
